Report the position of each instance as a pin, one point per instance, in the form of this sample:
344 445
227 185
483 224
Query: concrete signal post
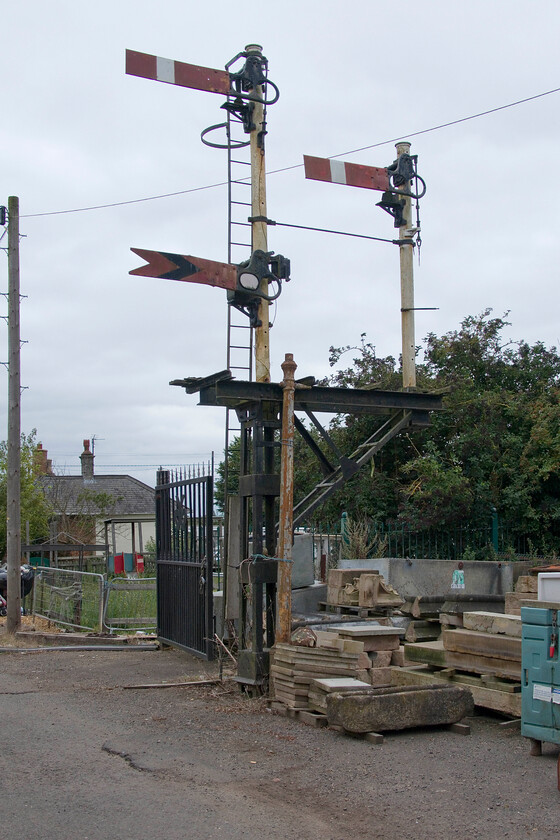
406 248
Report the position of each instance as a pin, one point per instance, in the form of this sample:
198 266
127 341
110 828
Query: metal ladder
239 332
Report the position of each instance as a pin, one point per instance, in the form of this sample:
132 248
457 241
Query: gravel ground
86 758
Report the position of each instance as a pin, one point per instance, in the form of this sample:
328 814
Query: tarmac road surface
85 759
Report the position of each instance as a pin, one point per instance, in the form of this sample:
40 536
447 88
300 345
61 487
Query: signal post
251 286
259 223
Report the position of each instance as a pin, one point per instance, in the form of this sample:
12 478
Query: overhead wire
339 232
299 165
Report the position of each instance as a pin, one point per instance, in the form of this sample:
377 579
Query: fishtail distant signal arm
166 266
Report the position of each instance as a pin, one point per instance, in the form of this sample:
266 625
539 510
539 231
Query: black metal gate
184 562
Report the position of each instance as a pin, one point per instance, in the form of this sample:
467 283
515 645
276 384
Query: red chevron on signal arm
167 266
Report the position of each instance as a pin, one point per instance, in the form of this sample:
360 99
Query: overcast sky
76 132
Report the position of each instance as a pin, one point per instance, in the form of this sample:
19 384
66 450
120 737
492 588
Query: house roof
102 495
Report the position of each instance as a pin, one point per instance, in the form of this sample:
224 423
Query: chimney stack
42 464
87 462
40 458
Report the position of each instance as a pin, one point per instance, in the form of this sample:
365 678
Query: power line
121 203
299 165
454 122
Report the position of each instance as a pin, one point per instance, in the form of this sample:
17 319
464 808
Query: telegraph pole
14 424
259 234
407 286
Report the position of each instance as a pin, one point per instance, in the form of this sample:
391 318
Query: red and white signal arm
351 174
177 72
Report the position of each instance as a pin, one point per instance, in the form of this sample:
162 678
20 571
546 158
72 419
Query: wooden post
14 425
259 236
285 535
407 288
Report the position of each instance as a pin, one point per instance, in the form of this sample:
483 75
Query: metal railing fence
70 598
89 601
396 539
130 604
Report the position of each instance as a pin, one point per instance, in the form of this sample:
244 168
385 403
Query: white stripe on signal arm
338 172
165 71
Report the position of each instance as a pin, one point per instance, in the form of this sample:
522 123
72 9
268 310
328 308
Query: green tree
233 467
495 444
499 422
34 507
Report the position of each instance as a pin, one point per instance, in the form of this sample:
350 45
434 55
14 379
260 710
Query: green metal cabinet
540 673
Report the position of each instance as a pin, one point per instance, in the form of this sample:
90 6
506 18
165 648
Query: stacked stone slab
377 645
294 667
320 689
525 590
484 655
487 644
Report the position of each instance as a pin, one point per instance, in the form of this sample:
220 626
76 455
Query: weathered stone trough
398 707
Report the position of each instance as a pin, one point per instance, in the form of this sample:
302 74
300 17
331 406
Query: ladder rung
239 347
242 244
243 203
241 326
242 162
242 224
242 183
